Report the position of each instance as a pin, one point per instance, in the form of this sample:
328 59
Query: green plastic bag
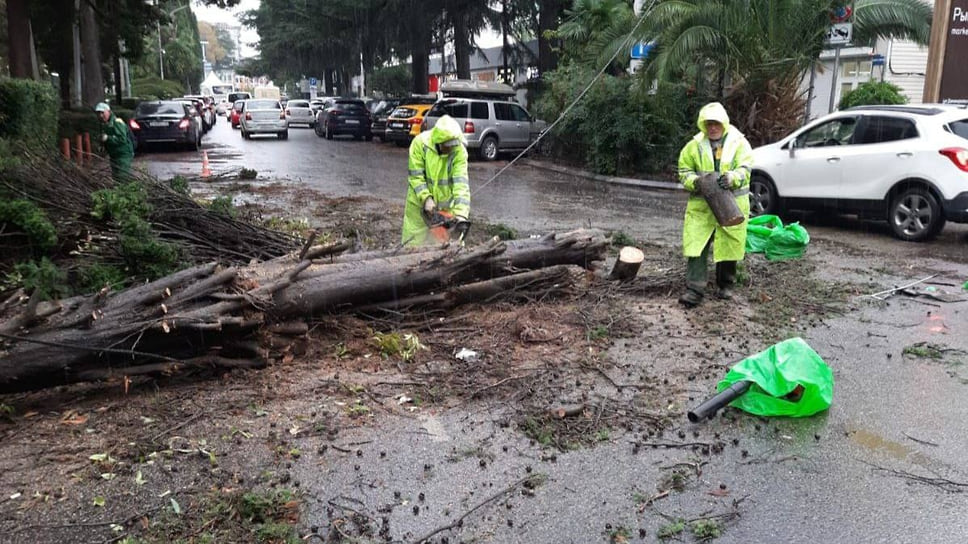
776 372
758 231
788 242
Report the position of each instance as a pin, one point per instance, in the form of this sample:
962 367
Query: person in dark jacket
116 142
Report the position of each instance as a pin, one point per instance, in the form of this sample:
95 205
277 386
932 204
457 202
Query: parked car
165 122
205 108
904 164
380 113
222 108
235 114
403 123
344 116
196 113
299 111
232 98
264 116
317 104
490 126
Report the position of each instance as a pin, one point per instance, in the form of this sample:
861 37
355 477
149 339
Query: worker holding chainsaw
438 193
723 150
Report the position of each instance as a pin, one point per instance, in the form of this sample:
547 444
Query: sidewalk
577 172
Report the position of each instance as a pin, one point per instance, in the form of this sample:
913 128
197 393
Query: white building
900 62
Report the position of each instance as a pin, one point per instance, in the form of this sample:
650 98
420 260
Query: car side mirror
793 148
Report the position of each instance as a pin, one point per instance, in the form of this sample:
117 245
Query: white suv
905 164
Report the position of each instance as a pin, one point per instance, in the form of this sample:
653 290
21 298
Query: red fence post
79 150
66 148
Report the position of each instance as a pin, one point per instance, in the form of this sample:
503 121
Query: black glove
725 182
461 228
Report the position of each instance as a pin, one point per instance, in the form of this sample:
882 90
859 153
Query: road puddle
875 442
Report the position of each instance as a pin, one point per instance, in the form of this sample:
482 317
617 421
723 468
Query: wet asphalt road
803 481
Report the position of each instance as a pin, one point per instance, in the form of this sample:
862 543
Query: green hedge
28 113
873 93
153 88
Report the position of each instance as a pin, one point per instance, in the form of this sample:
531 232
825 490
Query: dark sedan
380 114
345 116
165 122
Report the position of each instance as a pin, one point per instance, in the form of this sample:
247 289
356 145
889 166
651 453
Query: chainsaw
445 226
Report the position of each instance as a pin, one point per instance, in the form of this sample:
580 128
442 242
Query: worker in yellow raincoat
437 181
723 149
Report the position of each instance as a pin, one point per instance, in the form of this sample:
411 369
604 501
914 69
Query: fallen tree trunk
206 315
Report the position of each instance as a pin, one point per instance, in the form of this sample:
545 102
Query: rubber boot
696 277
725 279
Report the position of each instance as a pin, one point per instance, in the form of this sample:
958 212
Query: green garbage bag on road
788 242
758 231
776 373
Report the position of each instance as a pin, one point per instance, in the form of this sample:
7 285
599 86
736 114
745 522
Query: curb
646 183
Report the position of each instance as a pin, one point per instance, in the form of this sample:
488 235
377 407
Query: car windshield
959 127
160 108
403 112
298 104
262 105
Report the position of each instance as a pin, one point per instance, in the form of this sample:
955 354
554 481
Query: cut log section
206 315
628 263
721 201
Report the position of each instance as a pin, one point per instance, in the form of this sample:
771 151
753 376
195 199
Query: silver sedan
264 116
300 112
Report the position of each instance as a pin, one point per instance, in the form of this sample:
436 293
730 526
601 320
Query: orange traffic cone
206 171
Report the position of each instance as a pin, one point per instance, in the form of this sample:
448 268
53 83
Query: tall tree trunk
118 91
550 12
505 48
328 81
18 38
462 46
92 84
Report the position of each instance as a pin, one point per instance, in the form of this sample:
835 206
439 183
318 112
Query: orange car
403 124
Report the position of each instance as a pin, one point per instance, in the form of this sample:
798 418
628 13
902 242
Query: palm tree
754 53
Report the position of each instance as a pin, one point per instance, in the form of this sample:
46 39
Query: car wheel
312 125
284 135
246 135
915 215
489 148
368 137
329 135
195 144
401 143
763 197
317 130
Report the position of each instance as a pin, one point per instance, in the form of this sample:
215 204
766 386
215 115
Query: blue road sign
312 81
877 60
641 50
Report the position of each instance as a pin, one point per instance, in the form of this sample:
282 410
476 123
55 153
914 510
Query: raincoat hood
714 111
447 129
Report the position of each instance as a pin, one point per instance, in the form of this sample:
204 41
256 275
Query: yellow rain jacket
443 177
736 161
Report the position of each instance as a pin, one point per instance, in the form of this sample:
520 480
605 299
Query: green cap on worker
102 106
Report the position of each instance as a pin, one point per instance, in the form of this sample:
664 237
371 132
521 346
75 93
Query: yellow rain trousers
696 158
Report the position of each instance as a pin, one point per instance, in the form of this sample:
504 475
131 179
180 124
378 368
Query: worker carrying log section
438 189
716 214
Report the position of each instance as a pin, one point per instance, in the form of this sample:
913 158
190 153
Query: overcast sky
249 36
